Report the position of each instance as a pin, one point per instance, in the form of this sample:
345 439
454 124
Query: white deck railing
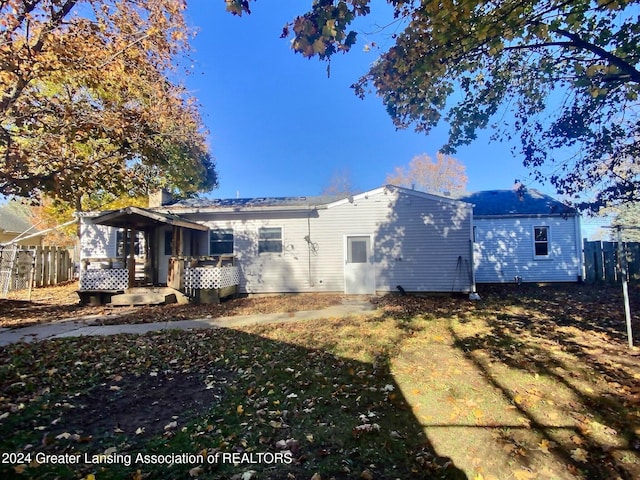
104 279
208 277
100 275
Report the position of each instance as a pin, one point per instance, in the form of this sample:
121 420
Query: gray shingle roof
252 202
514 202
12 221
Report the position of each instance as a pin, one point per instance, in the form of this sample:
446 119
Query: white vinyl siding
505 248
97 241
421 243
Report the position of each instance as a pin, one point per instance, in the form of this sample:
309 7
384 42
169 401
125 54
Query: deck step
181 298
143 298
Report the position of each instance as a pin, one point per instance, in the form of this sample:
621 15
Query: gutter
241 210
527 215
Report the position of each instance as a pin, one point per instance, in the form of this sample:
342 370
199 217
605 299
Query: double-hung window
270 240
221 242
541 242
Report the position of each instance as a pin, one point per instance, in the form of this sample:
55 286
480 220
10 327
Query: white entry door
359 271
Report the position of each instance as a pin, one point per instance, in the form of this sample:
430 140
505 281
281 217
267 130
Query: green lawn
528 383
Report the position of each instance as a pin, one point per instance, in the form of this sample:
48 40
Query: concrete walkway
87 326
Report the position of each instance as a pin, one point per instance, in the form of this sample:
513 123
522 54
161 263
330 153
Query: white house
365 244
524 236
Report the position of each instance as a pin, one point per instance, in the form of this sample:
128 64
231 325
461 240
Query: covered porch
158 260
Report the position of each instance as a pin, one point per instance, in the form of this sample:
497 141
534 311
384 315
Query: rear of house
524 236
371 242
363 244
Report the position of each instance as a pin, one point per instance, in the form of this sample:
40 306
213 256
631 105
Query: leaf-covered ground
531 382
61 302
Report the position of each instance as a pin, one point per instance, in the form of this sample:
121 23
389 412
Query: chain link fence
16 269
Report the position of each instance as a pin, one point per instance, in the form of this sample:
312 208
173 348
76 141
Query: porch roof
141 219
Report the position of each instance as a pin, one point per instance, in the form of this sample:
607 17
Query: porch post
153 254
175 250
131 261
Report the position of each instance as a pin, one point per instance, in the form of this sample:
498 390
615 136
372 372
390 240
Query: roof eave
526 215
241 210
110 218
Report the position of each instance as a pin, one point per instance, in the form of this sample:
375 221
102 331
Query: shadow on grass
575 338
288 411
590 307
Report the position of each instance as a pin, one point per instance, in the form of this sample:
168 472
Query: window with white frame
221 241
541 241
270 240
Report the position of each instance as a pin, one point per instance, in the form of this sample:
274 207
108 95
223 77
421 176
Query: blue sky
280 127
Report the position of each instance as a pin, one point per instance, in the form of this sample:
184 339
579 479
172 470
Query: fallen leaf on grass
366 475
576 439
580 455
523 474
195 471
545 445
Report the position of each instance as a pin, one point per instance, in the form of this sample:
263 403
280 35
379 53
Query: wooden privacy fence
601 261
53 265
44 265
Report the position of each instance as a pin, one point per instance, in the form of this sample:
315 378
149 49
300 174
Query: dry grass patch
61 303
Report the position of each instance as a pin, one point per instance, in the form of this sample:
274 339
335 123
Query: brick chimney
160 197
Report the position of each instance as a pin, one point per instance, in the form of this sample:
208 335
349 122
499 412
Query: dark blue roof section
254 202
515 202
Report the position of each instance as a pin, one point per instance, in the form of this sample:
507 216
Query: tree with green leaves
559 79
87 101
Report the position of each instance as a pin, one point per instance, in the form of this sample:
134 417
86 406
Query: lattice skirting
211 277
111 279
